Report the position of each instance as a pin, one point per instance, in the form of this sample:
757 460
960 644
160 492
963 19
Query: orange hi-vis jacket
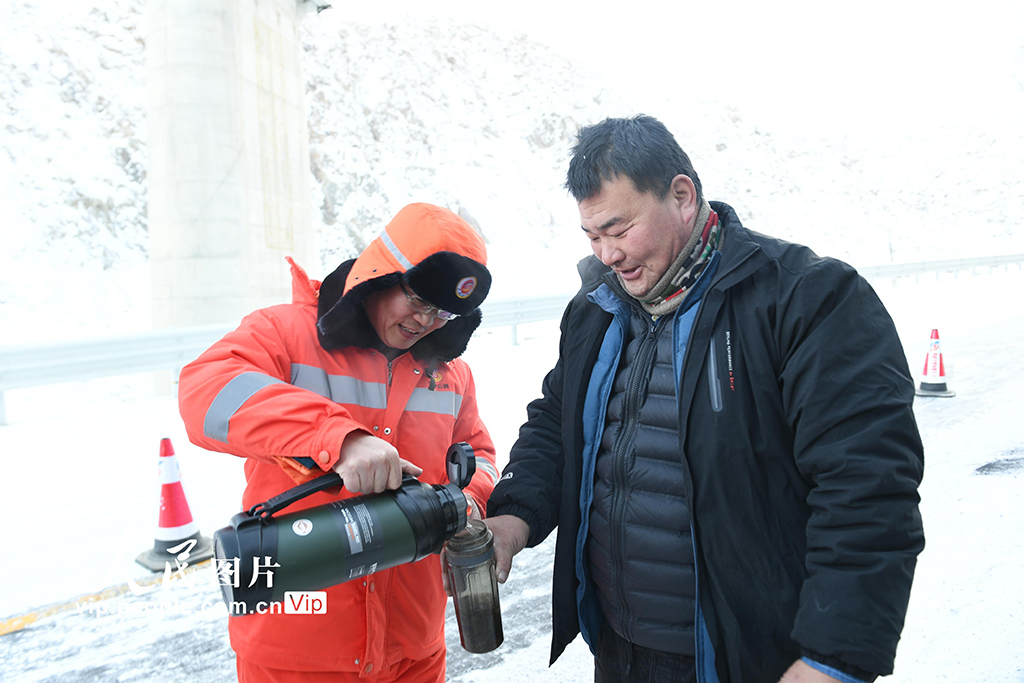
270 393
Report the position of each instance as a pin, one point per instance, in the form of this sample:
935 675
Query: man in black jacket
726 443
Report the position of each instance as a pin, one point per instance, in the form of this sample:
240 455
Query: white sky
805 64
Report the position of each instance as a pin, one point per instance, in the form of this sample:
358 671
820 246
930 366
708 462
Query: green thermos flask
263 555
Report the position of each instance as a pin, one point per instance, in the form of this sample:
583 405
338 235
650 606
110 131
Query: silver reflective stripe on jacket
427 401
488 468
230 399
340 388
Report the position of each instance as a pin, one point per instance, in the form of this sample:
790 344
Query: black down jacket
801 460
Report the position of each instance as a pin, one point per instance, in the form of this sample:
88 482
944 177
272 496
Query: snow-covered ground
76 530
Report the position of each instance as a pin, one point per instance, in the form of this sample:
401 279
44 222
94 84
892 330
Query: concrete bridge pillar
228 177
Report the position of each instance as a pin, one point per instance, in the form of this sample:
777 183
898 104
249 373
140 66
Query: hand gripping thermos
474 583
261 556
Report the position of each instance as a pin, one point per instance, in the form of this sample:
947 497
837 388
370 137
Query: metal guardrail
171 349
30 365
513 313
37 364
950 266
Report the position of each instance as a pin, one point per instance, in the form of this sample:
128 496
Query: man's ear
685 195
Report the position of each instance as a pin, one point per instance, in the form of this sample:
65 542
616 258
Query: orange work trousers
429 670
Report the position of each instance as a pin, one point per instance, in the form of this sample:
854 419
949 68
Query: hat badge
465 287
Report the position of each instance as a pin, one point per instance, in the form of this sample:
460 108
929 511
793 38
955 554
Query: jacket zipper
630 416
716 385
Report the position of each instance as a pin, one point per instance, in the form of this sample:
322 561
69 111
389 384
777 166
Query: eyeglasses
420 306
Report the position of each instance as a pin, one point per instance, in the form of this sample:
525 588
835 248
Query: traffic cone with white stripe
177 533
933 379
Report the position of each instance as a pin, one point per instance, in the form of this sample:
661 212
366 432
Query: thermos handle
461 464
283 500
267 508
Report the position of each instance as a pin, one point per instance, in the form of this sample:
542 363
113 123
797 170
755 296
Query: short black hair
640 148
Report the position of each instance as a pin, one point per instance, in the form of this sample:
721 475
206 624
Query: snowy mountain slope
74 164
445 111
72 168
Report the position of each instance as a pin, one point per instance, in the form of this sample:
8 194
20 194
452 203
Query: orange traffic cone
933 380
177 533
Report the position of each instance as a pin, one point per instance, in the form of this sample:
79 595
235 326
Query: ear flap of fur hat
341 320
449 341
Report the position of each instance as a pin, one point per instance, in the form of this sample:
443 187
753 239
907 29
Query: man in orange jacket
359 374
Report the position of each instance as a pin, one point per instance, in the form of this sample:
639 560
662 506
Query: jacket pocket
714 386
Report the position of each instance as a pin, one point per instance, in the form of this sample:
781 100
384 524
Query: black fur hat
437 255
450 281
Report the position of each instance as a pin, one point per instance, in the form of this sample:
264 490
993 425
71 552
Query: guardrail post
515 341
3 410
